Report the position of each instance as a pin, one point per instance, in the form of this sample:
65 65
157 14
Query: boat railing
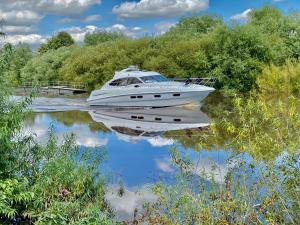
54 84
205 81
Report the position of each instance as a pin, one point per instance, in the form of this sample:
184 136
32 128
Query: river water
136 144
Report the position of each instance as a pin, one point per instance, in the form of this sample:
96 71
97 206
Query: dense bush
280 81
239 200
46 67
96 65
95 38
46 184
12 60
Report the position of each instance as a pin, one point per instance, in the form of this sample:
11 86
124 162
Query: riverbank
207 162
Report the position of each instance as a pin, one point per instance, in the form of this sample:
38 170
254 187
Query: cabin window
154 79
114 83
133 80
176 95
158 119
125 81
119 82
177 120
157 96
132 96
139 96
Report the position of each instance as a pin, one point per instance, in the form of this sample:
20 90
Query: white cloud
19 29
71 8
244 16
91 18
19 17
159 8
137 29
30 12
163 27
160 141
124 206
120 28
84 136
64 20
212 168
91 142
87 19
32 39
78 33
165 165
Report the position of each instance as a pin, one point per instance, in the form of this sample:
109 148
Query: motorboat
147 123
132 87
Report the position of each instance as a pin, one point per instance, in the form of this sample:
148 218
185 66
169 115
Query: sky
35 21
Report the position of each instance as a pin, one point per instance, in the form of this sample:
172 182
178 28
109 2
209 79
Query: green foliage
62 39
12 60
14 195
92 39
268 121
68 193
96 65
20 55
237 201
11 117
46 67
283 81
196 25
46 184
264 127
264 124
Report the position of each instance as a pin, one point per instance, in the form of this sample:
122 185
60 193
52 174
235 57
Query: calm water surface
136 142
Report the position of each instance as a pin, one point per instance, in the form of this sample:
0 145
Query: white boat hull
148 99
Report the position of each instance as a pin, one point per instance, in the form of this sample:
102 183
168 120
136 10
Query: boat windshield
154 78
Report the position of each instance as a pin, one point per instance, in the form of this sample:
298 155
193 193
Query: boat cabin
133 75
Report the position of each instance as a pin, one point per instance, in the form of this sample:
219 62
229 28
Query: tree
95 65
46 67
21 54
95 38
33 188
63 39
5 57
196 25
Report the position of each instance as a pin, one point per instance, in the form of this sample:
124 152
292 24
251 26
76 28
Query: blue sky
34 21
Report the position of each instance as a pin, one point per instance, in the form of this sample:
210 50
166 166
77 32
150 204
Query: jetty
55 87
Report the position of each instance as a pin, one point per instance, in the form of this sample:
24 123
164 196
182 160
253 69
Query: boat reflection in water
141 124
134 125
